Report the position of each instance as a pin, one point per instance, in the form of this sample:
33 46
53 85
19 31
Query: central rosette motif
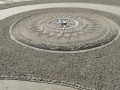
63 23
59 24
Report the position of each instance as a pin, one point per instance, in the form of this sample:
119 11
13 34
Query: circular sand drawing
62 31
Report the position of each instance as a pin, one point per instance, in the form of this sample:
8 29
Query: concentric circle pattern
62 31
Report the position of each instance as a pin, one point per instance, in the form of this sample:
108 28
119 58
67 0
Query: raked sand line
24 85
11 1
15 10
